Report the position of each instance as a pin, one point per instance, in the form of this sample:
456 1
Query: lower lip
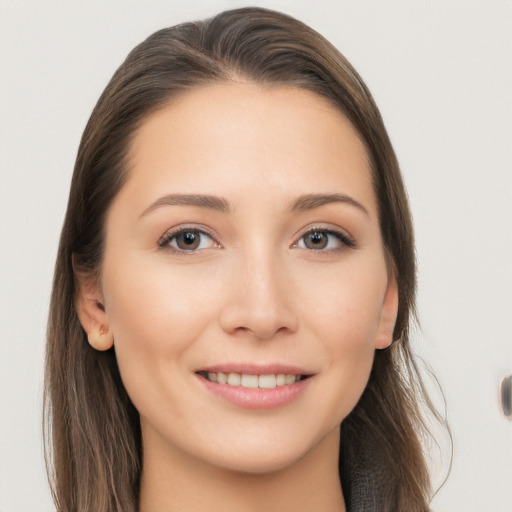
257 398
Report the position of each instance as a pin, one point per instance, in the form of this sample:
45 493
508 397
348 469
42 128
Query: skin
253 291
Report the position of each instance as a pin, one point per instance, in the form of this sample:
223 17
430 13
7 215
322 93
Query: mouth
252 386
252 381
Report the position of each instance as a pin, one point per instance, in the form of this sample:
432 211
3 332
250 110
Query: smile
249 381
256 387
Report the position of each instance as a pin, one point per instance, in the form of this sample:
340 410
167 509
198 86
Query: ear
91 312
389 312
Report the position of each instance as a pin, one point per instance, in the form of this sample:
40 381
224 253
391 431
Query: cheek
348 329
346 310
346 319
155 315
152 304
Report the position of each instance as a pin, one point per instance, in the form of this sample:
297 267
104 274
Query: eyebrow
311 201
202 201
303 203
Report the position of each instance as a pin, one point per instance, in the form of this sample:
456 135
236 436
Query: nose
260 302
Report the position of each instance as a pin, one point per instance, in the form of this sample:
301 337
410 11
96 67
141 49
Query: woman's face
245 246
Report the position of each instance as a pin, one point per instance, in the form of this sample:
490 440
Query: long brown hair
92 428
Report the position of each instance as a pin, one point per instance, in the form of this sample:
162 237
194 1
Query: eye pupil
316 240
188 240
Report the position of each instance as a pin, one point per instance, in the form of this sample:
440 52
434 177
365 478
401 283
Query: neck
184 484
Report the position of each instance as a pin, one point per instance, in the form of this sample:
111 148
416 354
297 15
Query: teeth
252 381
234 379
269 381
249 381
289 379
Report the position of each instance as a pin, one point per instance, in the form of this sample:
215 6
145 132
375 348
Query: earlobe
389 313
91 313
101 339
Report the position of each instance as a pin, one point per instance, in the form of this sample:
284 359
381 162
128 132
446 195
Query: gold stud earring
101 339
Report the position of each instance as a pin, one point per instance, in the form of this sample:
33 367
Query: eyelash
166 240
342 237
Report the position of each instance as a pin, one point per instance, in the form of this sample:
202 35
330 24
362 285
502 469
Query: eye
324 239
187 240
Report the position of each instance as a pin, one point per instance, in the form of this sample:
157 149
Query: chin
276 454
260 465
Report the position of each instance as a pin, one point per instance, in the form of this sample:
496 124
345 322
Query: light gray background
441 73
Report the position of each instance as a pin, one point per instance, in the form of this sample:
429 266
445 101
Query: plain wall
441 73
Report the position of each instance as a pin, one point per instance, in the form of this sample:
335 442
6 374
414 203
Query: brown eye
187 240
316 240
324 240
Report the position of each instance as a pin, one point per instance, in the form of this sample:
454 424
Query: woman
234 285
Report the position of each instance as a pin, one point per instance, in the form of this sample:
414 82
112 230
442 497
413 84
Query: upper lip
256 369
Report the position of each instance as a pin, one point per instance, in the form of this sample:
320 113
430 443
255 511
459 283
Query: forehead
220 137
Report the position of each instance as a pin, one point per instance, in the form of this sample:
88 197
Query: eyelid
338 232
163 241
